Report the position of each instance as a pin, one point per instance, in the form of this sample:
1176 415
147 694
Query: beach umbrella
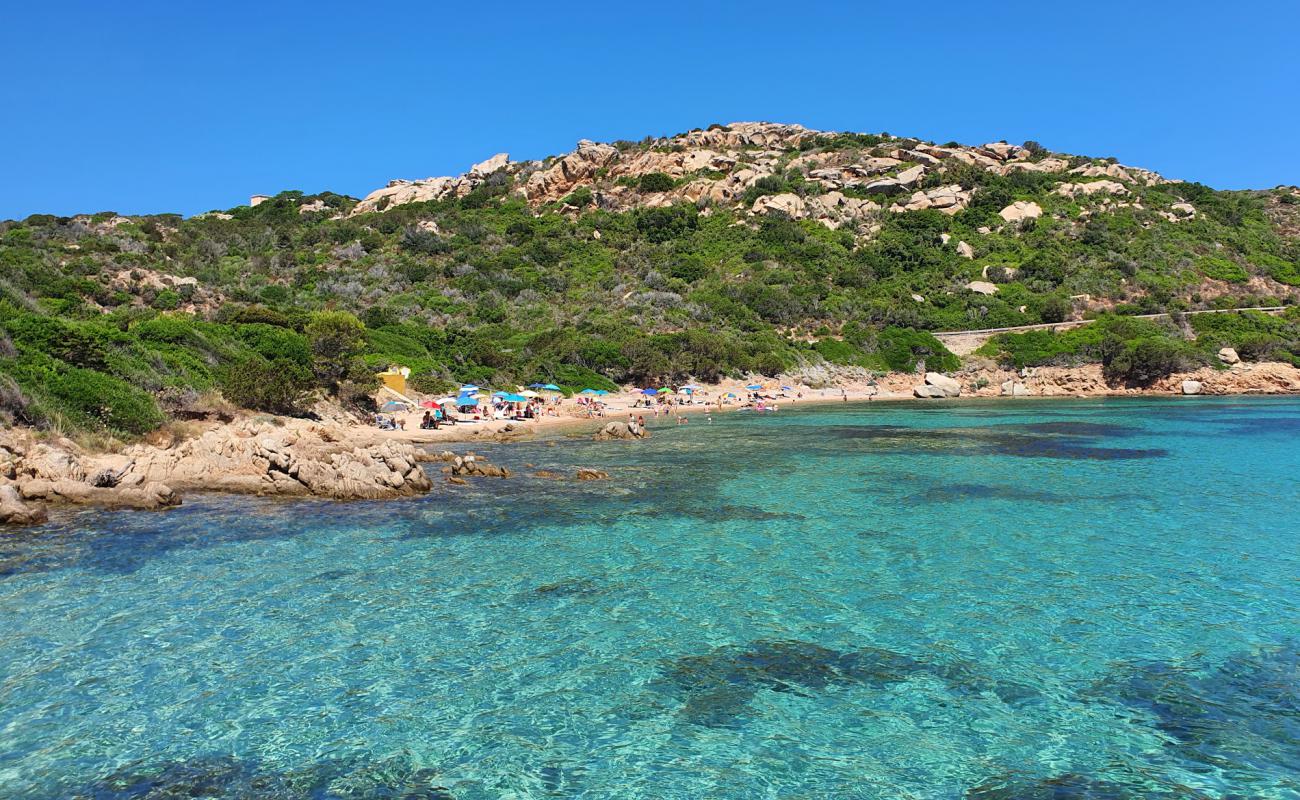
685 390
665 390
601 392
691 386
787 388
649 391
529 394
731 394
392 405
550 387
446 401
588 391
536 386
469 387
754 387
514 398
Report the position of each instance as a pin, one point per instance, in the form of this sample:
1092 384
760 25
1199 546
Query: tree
336 339
1055 309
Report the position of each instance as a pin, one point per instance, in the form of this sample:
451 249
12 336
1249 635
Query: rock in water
621 430
589 474
14 511
1191 387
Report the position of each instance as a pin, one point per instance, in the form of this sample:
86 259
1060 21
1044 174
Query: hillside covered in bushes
751 248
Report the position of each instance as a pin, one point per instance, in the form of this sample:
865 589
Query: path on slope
963 343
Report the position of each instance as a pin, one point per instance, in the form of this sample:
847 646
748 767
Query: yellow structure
395 379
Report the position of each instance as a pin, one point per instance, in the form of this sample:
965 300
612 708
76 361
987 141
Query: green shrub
582 196
1221 269
655 182
277 387
101 399
1141 361
903 348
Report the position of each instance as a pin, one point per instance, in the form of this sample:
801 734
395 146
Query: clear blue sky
184 107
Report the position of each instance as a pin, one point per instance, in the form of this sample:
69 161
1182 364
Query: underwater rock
716 687
1240 715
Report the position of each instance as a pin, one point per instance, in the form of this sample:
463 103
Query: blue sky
184 107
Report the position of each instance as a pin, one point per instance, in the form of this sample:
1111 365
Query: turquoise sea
1038 599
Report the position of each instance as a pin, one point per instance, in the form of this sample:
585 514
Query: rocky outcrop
589 474
581 165
721 165
1191 387
621 430
1013 389
1229 356
297 458
1090 188
301 460
982 287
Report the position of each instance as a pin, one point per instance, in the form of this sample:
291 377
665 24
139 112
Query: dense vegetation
294 296
1137 351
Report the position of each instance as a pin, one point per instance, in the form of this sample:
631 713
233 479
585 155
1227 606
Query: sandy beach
715 398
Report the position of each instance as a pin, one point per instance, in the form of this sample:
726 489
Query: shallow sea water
1046 599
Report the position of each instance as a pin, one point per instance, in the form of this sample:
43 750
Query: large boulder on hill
791 205
982 287
491 165
1021 210
1229 356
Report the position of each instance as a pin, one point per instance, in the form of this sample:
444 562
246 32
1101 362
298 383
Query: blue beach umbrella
515 398
754 387
649 391
589 391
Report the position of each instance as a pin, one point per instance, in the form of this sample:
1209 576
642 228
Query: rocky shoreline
286 458
341 460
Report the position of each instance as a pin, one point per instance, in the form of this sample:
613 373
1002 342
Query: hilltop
745 248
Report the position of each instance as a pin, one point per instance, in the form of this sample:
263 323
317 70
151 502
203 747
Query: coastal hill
751 248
